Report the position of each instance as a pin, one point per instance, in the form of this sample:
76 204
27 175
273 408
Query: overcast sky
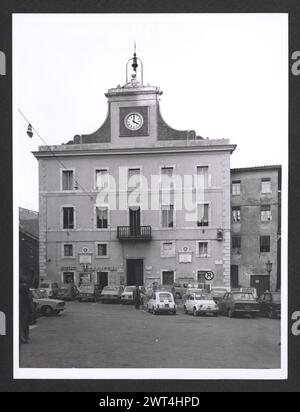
223 75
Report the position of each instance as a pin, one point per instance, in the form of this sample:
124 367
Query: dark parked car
234 303
270 304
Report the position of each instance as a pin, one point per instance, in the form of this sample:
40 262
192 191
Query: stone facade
149 152
260 217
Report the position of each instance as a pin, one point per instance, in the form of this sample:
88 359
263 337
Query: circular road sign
209 275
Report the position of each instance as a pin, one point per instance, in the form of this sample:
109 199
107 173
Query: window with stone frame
168 249
202 176
68 250
203 215
102 178
236 243
167 216
134 178
102 217
102 249
203 249
68 218
67 180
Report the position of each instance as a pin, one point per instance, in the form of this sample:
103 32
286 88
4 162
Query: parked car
67 291
89 292
189 291
218 292
161 301
46 306
111 294
128 293
270 304
200 303
234 303
51 288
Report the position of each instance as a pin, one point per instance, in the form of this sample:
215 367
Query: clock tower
133 118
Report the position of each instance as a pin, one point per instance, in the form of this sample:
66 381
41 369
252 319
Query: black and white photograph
150 195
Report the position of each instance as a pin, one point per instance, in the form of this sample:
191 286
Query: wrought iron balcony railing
134 233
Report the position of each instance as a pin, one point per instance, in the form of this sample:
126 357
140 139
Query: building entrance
135 272
261 283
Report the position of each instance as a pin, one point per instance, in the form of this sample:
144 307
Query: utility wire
76 182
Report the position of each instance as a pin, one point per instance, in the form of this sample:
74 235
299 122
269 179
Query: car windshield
165 296
37 294
276 297
243 296
44 285
110 288
129 289
203 297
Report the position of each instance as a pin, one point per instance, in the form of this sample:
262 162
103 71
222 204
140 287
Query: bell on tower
134 81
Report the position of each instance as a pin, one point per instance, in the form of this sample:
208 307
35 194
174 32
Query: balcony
127 233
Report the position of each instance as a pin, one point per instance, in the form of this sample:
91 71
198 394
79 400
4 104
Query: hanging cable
76 181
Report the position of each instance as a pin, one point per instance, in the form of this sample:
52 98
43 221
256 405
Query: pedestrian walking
137 297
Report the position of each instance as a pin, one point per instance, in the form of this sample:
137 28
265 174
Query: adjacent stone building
29 246
113 204
256 227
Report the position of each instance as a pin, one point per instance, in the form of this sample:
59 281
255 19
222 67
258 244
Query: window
67 180
134 178
68 250
203 249
166 177
265 213
202 214
168 277
68 277
68 218
266 185
168 249
102 178
265 244
167 215
236 214
236 242
201 276
202 176
102 250
102 217
236 187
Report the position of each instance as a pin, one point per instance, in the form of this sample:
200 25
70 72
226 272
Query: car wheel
185 310
154 311
230 313
195 312
47 310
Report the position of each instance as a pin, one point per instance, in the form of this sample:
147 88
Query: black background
6 240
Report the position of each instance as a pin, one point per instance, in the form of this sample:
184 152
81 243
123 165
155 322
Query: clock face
134 121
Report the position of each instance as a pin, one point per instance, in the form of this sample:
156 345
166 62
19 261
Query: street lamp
269 265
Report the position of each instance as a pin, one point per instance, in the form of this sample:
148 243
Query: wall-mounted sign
185 255
67 268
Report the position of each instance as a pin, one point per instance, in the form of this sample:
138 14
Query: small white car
45 305
200 303
161 302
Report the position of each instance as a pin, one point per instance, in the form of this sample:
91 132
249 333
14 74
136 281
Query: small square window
203 249
168 249
68 250
102 249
